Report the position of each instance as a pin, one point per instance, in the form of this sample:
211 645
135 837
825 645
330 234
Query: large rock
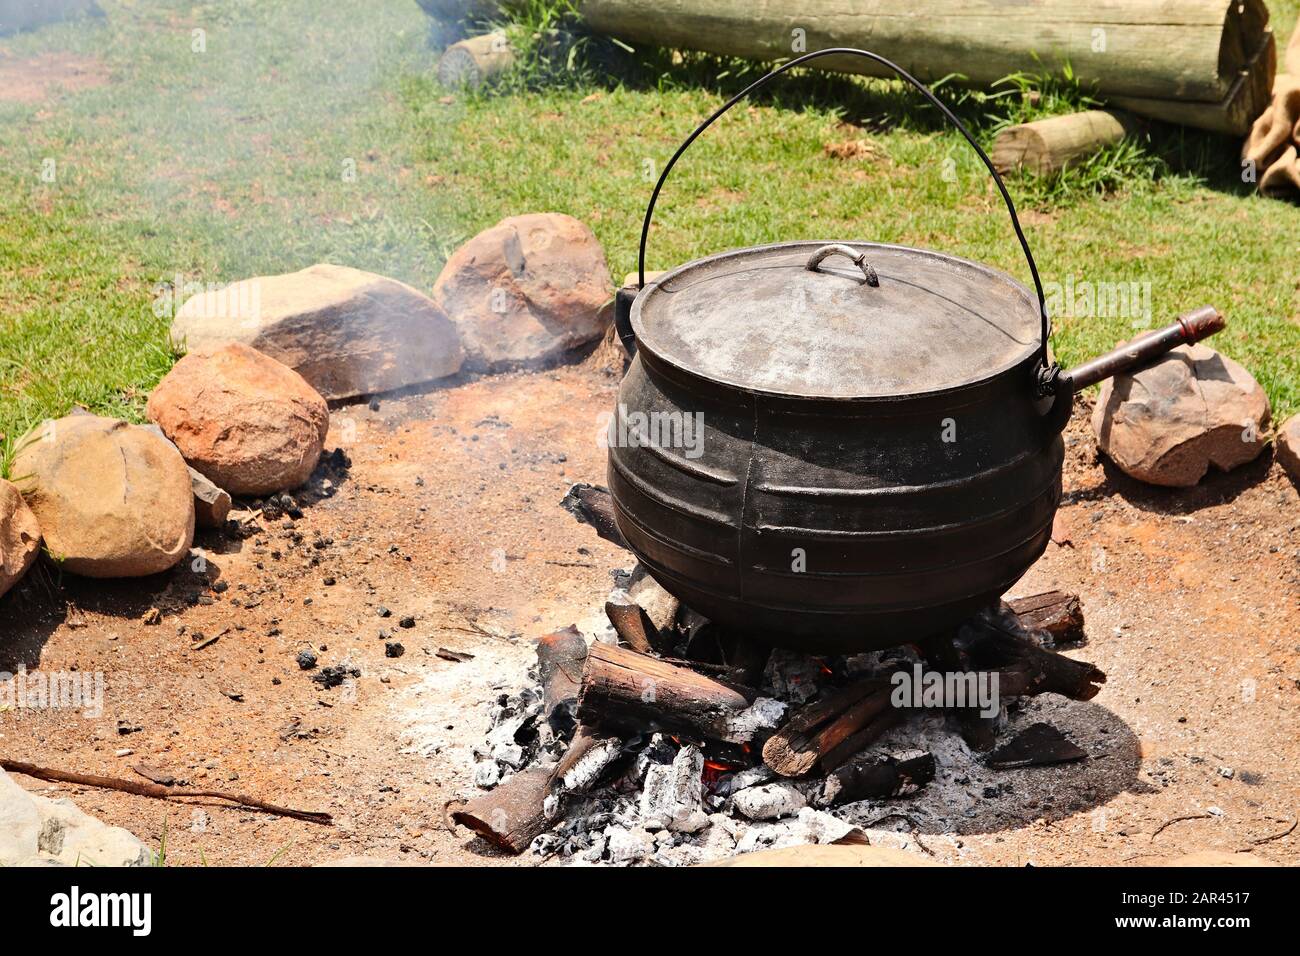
112 499
526 290
345 331
1288 447
38 831
241 419
1168 423
211 504
20 536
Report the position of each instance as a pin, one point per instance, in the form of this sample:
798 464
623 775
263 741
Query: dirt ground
449 513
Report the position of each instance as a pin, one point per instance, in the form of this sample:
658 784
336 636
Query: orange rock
1168 423
526 290
20 536
241 419
112 499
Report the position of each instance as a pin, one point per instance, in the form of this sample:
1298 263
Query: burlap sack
1274 138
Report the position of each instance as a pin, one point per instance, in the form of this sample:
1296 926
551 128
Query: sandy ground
449 514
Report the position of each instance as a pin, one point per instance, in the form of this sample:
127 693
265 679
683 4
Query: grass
238 160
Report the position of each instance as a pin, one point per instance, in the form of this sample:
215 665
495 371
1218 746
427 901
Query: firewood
835 757
471 63
1205 63
1055 612
631 623
560 658
623 691
592 505
1025 669
510 816
825 725
1050 145
878 777
744 657
589 754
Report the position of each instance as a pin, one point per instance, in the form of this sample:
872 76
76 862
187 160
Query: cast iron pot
879 451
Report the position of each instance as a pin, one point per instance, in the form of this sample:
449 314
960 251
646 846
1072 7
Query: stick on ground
156 791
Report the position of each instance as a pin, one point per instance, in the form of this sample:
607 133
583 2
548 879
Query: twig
1168 823
1276 836
156 791
210 640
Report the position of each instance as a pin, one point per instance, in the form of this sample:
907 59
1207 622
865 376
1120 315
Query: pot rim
1028 355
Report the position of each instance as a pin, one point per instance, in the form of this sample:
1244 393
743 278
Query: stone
20 536
242 420
112 499
211 504
35 831
1168 423
526 290
347 332
1288 447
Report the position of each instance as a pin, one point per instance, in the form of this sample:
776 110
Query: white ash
765 713
807 826
658 810
672 797
769 802
583 774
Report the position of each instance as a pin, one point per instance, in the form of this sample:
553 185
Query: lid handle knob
859 259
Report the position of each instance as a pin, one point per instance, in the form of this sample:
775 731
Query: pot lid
761 320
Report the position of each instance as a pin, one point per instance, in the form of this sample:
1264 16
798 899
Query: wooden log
1203 63
995 641
1058 614
1050 145
471 63
560 659
825 725
1170 49
510 816
1233 115
631 623
623 691
592 505
878 777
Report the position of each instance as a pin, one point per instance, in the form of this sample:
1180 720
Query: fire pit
670 739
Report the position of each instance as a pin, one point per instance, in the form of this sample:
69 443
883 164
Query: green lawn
216 165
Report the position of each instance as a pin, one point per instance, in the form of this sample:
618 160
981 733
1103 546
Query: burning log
630 692
587 758
744 657
878 777
1056 612
998 641
632 623
511 816
994 641
592 505
560 658
835 727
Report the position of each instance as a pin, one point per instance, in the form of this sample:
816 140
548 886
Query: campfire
671 740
